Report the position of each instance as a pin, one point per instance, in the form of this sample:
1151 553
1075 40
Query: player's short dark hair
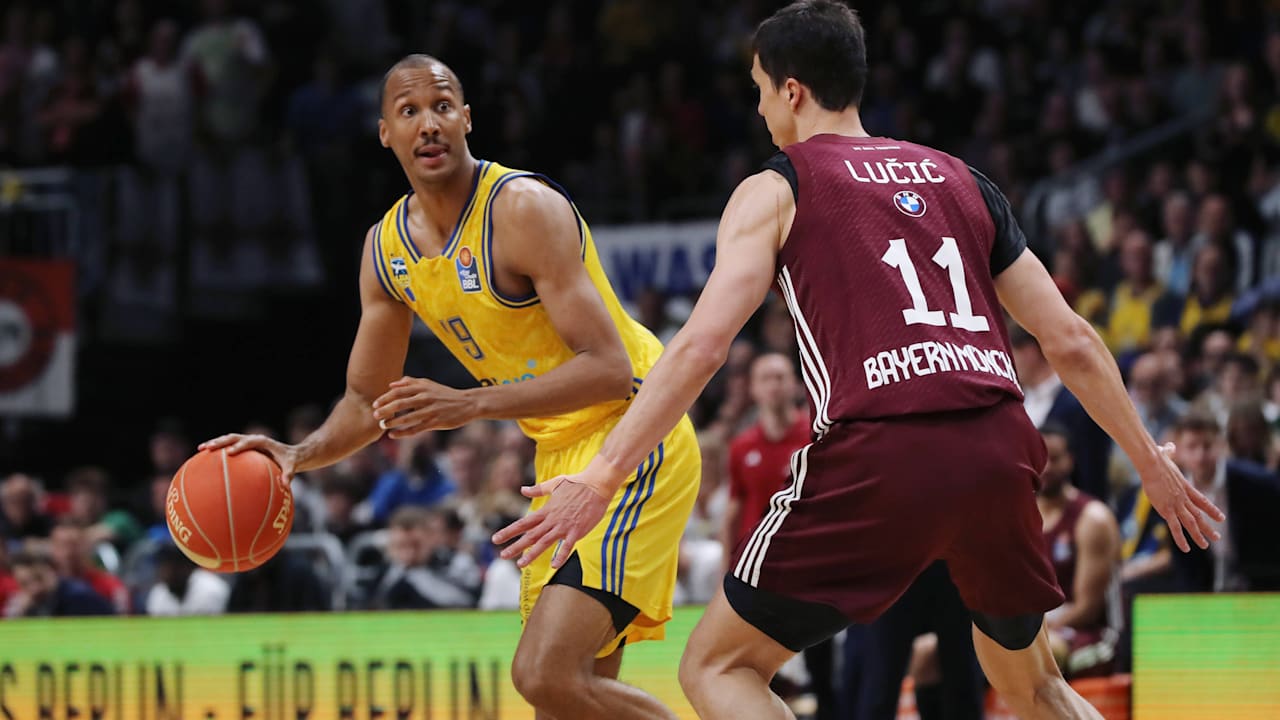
821 44
416 61
1197 422
1057 429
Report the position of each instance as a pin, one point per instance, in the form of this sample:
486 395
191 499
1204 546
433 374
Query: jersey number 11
948 257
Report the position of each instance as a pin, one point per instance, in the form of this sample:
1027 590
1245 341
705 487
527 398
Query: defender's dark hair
821 44
417 61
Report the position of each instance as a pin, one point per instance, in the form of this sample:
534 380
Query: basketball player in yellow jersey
500 266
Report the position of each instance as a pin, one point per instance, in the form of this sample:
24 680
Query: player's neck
777 421
442 202
825 122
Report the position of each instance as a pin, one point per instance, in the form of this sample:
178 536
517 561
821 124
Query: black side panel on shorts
620 610
1010 241
1013 633
794 624
781 164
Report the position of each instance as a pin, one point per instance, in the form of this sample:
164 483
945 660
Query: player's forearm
671 387
348 428
1087 368
584 380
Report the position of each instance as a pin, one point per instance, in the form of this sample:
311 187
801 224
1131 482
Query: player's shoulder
529 193
1095 514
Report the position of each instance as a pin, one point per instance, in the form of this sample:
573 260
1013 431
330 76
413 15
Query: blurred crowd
643 109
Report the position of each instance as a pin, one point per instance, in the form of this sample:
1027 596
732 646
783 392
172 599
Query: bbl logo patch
909 203
468 275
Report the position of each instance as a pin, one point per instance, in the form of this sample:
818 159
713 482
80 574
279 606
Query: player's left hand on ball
1180 503
413 405
572 510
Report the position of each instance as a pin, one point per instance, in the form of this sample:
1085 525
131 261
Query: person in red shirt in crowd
70 550
760 457
8 585
759 466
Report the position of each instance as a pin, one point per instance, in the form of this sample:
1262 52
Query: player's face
774 107
1058 470
425 123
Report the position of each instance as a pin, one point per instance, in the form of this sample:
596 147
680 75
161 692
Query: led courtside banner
1206 656
399 666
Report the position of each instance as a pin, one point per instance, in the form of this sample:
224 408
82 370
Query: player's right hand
286 456
1181 505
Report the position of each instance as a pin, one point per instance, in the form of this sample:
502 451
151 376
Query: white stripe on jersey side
822 422
748 568
808 369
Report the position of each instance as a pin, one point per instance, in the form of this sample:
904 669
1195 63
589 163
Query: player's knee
694 672
541 683
1015 632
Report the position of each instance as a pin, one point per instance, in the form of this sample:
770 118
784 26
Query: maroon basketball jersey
887 272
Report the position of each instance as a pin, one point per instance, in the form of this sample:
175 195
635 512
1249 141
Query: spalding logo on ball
229 513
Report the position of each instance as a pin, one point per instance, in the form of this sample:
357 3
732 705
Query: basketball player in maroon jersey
1083 540
894 260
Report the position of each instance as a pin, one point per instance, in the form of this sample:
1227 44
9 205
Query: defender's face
774 107
425 123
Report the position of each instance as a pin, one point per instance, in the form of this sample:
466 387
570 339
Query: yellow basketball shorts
634 551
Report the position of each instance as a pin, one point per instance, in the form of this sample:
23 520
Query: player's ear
795 91
466 113
382 133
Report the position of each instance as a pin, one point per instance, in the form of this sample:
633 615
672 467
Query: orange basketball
229 513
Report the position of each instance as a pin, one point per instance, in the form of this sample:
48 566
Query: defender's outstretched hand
286 456
576 504
1180 503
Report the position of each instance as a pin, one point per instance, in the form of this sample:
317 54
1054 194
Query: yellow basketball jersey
499 339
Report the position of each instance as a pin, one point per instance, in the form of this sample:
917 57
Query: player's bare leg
1029 680
555 667
606 667
727 666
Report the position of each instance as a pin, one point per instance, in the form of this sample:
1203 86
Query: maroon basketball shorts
873 503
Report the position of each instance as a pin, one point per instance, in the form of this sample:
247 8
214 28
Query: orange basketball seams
229 513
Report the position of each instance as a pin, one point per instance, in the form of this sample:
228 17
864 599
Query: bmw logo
909 203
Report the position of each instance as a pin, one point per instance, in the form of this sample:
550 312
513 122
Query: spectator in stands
1175 253
1216 226
1210 299
341 493
702 551
424 568
72 114
72 554
170 447
1153 395
41 593
500 498
20 512
181 588
760 457
1047 399
1084 545
161 99
1249 438
1236 380
1129 326
1200 455
306 487
500 589
90 508
285 583
231 63
8 585
415 480
158 492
